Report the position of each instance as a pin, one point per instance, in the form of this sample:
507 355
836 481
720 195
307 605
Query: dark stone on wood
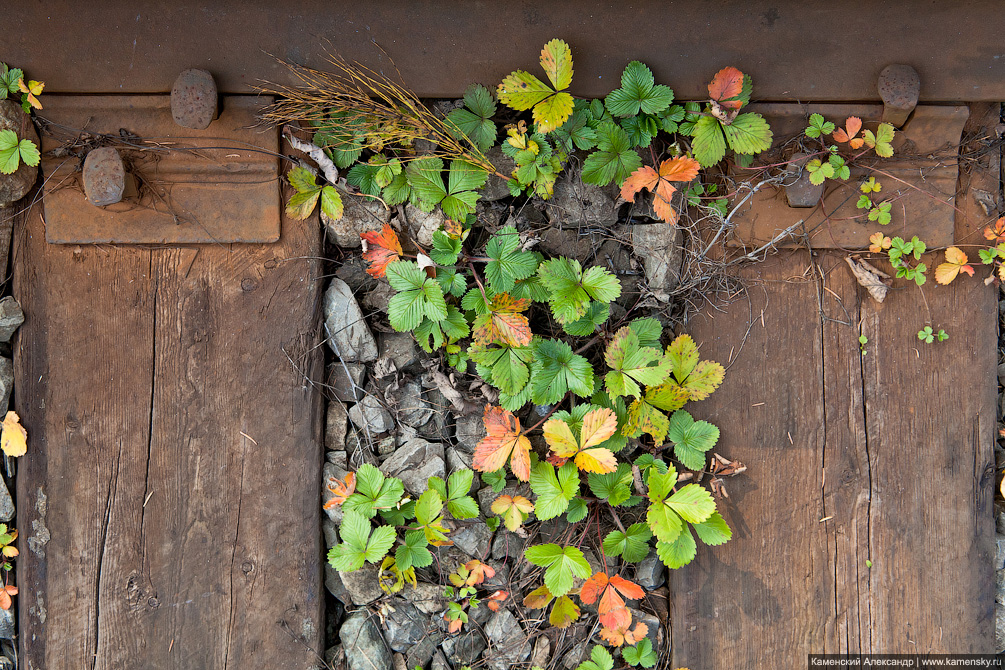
899 87
194 99
15 186
802 192
104 177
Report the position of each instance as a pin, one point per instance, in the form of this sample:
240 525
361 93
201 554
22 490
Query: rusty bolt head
194 99
899 87
104 177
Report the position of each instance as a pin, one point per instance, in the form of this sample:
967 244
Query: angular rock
104 177
346 381
569 242
411 409
360 215
579 653
428 598
8 629
999 628
652 622
506 545
387 446
404 625
347 332
368 414
6 502
542 651
465 648
336 423
457 459
414 463
424 224
364 647
999 551
474 540
400 348
496 187
438 426
422 652
439 662
6 383
363 585
335 586
353 272
469 430
194 99
15 186
510 645
11 318
575 204
650 573
658 245
379 298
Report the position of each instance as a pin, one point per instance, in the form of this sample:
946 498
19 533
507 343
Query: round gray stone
104 177
194 99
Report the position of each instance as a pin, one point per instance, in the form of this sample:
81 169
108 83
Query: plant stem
554 408
478 281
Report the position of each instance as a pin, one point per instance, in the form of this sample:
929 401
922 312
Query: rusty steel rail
816 50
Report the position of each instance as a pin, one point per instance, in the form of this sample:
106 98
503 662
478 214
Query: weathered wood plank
894 446
759 600
441 46
191 471
930 416
82 361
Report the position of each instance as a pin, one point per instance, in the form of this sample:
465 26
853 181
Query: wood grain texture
178 451
893 448
758 601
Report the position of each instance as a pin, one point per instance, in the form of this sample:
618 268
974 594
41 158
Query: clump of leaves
537 165
956 262
14 151
900 252
551 104
474 120
722 124
308 192
660 184
927 335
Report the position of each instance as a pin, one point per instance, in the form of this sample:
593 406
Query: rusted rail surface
816 50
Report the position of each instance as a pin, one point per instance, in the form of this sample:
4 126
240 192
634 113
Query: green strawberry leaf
564 565
556 370
638 92
632 545
554 491
614 160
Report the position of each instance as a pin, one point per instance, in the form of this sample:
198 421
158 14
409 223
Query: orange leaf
879 243
956 262
342 490
635 636
496 600
996 234
380 249
852 125
503 323
620 635
5 594
615 624
503 442
478 572
455 625
680 169
727 83
592 588
628 589
453 229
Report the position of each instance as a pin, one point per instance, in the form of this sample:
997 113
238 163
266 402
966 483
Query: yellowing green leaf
556 60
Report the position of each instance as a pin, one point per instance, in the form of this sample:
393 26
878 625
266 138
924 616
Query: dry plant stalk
390 114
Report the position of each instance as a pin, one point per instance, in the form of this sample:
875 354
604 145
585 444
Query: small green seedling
862 341
927 335
13 151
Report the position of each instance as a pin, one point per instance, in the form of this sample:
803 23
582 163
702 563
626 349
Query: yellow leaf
13 436
556 60
598 460
559 437
956 262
